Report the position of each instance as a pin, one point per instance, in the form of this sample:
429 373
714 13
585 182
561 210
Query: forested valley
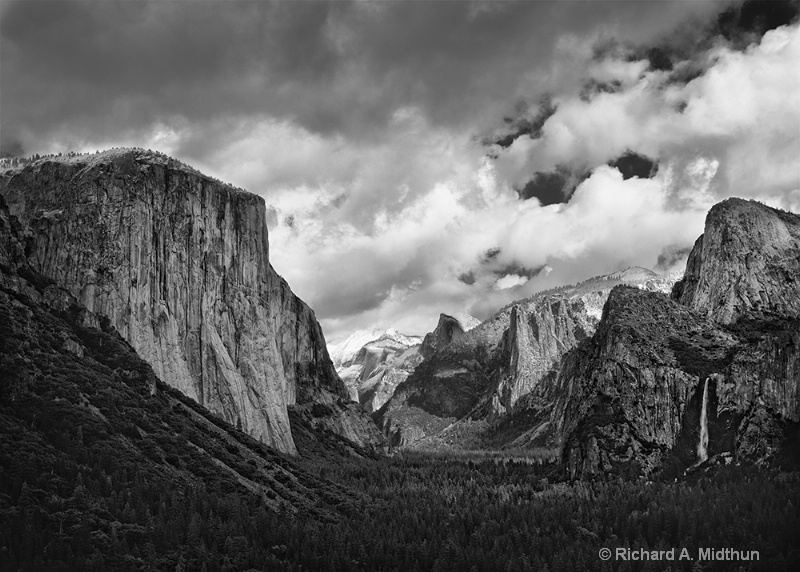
103 467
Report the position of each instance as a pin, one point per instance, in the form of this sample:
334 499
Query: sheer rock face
622 396
372 363
629 400
448 330
17 275
536 340
747 258
503 368
383 370
179 263
485 374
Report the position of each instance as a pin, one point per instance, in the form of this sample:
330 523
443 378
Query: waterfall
702 444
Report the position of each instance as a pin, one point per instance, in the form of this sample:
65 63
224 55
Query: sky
425 157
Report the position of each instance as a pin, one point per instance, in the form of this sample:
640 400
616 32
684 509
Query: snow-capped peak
345 351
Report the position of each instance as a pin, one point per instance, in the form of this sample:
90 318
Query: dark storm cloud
739 24
632 164
467 278
100 69
593 87
550 188
746 22
492 264
112 66
672 256
361 125
526 123
553 187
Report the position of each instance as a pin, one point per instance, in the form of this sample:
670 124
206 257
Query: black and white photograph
399 285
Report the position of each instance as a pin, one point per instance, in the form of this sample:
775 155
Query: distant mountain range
372 363
463 388
613 375
630 373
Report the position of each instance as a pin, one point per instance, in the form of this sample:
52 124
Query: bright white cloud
382 233
385 231
743 112
608 224
510 281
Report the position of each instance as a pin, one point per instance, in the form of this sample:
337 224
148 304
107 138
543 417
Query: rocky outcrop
179 264
622 396
17 275
448 330
630 400
747 258
534 343
73 393
504 367
372 363
377 383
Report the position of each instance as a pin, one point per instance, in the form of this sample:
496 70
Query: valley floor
422 512
492 514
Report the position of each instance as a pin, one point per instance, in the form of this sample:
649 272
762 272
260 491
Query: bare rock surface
373 362
448 329
179 264
629 400
505 366
747 258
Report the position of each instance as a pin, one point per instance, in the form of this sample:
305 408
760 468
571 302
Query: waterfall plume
702 443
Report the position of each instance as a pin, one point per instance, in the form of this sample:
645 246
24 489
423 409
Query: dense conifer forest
103 467
413 514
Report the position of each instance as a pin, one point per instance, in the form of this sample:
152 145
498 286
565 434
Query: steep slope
532 346
505 366
368 357
73 392
100 462
179 264
631 399
372 363
747 258
372 371
344 353
448 329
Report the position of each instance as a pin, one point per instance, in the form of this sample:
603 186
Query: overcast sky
370 130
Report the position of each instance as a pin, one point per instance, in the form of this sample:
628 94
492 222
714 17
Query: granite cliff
372 363
463 393
534 343
630 399
179 265
448 329
747 259
77 400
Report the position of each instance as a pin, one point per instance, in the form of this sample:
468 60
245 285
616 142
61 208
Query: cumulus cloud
403 261
363 126
98 70
737 113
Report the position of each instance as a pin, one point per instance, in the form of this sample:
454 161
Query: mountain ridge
470 385
179 263
747 258
631 399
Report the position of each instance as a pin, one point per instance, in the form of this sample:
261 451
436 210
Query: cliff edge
179 264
